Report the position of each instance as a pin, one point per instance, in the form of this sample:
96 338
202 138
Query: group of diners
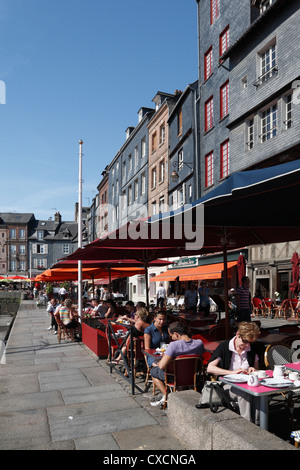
237 355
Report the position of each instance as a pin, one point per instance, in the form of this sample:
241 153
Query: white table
263 393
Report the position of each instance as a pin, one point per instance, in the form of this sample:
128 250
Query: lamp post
80 229
175 175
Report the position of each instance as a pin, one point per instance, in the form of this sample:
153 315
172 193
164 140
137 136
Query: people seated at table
138 329
181 344
191 299
236 356
156 333
52 307
67 315
130 311
97 309
111 308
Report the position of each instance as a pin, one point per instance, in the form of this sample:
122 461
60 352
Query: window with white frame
161 171
209 114
208 63
136 190
288 111
162 134
214 10
224 99
22 233
129 195
153 207
268 62
180 159
66 249
143 183
13 233
143 154
224 162
40 235
124 170
136 156
162 204
269 122
13 250
224 40
13 265
209 169
250 134
22 265
22 249
153 177
129 163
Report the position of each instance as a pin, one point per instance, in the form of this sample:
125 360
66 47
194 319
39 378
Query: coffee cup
253 380
262 374
293 376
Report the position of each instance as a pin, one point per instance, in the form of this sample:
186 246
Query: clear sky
81 69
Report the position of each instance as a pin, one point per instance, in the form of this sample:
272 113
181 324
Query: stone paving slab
99 423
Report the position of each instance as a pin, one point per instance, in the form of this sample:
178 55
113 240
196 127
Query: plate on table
237 378
276 382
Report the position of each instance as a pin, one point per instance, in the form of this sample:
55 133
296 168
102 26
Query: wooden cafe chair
182 372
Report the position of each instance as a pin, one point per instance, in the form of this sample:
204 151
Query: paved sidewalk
59 396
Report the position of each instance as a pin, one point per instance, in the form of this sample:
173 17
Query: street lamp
174 174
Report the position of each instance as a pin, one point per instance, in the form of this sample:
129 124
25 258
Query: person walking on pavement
243 300
161 295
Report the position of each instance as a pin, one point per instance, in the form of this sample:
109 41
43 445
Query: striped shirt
244 296
64 315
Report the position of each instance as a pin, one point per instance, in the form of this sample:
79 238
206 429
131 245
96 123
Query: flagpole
80 230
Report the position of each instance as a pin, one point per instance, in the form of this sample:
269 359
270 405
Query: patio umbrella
241 268
231 216
18 278
295 286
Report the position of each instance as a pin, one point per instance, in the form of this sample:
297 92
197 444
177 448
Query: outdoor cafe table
263 393
294 366
272 338
113 338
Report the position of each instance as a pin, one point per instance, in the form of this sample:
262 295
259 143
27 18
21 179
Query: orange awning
208 271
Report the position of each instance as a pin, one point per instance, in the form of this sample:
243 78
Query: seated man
181 344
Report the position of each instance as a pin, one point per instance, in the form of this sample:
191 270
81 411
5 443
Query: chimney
57 217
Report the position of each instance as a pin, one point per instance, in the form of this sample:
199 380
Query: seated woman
137 330
156 333
111 308
67 315
235 356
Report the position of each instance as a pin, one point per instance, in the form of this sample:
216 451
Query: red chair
283 309
269 305
258 307
206 355
182 373
294 309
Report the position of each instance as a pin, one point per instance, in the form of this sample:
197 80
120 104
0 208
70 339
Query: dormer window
40 235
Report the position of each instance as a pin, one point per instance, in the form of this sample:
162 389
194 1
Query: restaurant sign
184 262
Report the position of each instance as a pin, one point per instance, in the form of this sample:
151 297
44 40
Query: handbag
213 396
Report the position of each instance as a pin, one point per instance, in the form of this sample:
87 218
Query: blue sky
81 69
